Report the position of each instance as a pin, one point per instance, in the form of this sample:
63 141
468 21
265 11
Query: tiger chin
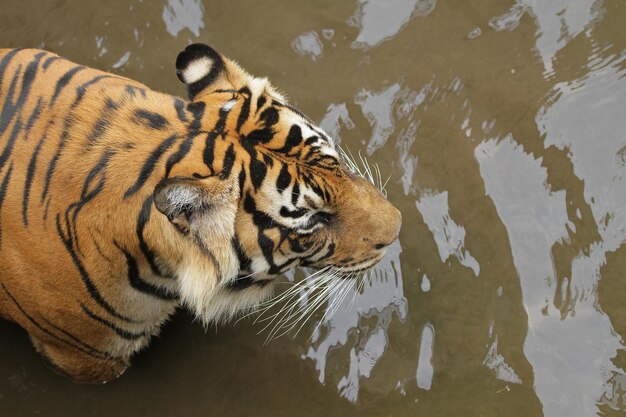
119 203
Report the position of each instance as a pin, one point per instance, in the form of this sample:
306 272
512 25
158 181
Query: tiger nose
395 223
390 223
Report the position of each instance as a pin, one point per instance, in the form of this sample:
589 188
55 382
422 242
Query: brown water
503 128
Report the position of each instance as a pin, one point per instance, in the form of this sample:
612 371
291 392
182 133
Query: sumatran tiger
119 203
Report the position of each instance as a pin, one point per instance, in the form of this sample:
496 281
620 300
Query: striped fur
119 203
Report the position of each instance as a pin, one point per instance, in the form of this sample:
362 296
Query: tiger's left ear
199 66
199 205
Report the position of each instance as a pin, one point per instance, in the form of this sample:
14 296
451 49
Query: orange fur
111 216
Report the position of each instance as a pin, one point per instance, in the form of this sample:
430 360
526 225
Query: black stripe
229 161
141 285
295 193
148 166
63 81
284 178
87 281
242 283
8 109
209 149
263 136
132 90
242 181
6 60
100 127
261 219
32 165
148 253
258 170
197 110
6 153
245 108
33 117
49 61
96 352
40 327
269 116
260 102
293 214
177 156
91 188
244 260
57 154
82 89
331 252
124 334
179 105
294 138
150 119
3 190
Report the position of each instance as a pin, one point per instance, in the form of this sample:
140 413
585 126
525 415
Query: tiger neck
162 252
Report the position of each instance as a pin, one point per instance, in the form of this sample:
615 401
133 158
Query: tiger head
268 190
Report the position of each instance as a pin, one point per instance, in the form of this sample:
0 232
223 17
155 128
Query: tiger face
269 190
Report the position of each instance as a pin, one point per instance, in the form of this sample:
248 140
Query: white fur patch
257 86
229 105
197 69
181 196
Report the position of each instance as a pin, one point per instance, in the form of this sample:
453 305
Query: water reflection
425 371
359 325
558 22
449 236
586 120
183 14
536 219
308 43
379 20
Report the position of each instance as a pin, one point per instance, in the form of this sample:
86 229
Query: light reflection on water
382 298
501 124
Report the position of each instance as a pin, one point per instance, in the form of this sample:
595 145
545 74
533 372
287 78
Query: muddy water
502 126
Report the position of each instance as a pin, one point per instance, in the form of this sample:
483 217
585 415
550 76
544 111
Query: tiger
120 204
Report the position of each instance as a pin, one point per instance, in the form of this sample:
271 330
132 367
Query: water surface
502 126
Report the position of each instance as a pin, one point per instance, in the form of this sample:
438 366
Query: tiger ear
199 66
191 203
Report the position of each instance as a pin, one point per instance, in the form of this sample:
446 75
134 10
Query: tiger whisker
306 306
288 306
303 283
262 308
338 288
307 314
287 311
357 292
342 296
290 321
332 306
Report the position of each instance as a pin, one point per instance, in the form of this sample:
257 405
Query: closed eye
321 217
316 221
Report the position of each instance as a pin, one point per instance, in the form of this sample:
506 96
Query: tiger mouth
356 270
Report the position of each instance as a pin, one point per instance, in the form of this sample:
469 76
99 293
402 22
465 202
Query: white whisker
286 313
290 322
